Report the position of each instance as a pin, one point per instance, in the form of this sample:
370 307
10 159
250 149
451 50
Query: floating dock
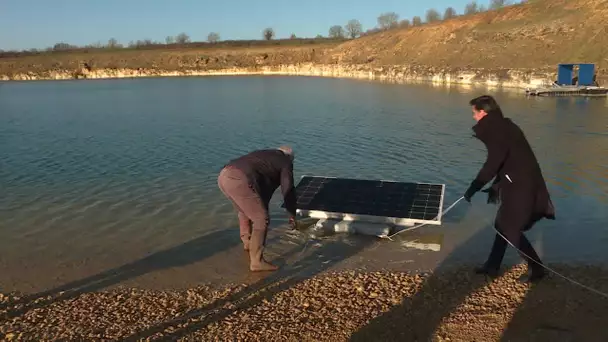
571 82
568 91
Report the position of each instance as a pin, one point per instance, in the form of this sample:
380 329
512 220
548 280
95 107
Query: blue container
585 74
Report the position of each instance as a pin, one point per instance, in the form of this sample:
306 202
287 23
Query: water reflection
421 241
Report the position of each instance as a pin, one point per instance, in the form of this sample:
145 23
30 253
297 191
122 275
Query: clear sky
28 24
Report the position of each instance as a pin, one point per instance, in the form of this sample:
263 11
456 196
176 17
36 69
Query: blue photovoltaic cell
369 197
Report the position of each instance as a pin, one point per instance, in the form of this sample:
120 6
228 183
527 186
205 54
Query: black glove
493 196
473 188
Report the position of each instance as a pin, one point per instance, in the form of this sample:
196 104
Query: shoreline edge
501 78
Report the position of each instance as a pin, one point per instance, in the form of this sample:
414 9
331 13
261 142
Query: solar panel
399 203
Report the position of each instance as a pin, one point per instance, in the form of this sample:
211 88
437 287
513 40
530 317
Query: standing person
518 184
249 182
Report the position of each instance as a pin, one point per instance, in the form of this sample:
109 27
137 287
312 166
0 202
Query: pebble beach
447 305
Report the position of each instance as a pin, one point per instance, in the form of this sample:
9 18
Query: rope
390 237
603 294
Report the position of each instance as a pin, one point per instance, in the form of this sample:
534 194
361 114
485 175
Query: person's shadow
557 310
418 316
315 262
187 253
553 310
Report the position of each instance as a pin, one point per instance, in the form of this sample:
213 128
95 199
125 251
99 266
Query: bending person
249 182
518 184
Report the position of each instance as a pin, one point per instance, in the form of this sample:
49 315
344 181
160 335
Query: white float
354 227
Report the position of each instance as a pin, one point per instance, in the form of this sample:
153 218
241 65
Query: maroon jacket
266 170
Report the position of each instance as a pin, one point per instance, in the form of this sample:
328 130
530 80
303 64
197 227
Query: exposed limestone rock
494 78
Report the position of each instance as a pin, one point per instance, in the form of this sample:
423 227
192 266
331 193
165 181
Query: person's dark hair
487 104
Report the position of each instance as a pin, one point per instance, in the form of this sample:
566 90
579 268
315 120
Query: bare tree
336 31
449 13
96 45
471 8
405 23
353 28
268 33
432 16
213 37
416 21
170 40
496 4
62 46
113 44
145 42
388 20
182 38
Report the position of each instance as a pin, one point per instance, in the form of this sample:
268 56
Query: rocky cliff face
398 73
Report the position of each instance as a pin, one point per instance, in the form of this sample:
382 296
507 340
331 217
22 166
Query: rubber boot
491 267
536 270
245 230
246 242
535 273
256 249
533 277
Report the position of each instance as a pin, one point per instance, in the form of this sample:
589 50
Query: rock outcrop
397 73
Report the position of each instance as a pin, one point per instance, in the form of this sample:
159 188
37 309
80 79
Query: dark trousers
518 239
251 209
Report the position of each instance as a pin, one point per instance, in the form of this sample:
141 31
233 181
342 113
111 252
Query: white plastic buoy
354 227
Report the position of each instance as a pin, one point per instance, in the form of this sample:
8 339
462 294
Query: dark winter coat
266 170
518 177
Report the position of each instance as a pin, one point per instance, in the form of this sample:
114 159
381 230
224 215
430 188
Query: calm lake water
119 176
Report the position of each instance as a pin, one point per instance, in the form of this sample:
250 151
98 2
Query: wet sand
447 305
216 258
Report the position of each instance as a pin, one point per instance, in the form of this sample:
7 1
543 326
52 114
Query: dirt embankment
516 46
533 35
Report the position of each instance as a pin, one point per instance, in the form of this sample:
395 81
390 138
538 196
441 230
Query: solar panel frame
399 221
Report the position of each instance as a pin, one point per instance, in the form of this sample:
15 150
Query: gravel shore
449 305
